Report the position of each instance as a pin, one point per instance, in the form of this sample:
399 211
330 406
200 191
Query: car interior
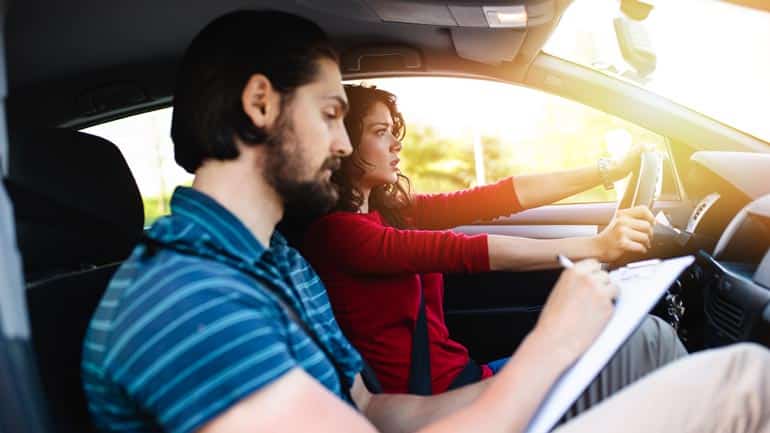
78 212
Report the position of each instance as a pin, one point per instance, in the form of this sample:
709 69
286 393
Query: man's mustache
332 163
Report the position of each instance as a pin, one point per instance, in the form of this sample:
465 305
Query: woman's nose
396 146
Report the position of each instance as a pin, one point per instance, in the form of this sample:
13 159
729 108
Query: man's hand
578 308
630 231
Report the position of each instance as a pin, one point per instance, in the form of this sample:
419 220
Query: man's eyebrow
340 100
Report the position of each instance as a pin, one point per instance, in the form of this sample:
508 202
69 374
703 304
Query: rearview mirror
635 45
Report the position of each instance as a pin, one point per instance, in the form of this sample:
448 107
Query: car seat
78 214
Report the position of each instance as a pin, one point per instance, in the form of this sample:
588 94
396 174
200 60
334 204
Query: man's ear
261 102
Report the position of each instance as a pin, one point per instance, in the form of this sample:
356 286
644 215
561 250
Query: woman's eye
381 132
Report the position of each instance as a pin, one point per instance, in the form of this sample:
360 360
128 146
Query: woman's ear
260 101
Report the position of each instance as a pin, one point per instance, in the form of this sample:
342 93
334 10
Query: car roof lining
159 101
91 62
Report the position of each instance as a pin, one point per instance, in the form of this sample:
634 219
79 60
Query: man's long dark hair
388 199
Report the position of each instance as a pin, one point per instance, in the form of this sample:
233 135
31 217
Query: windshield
708 55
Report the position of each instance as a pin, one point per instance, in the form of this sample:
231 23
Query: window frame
676 193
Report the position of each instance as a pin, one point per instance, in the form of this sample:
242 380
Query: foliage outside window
460 133
463 132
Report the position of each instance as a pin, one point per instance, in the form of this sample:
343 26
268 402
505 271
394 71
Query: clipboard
637 296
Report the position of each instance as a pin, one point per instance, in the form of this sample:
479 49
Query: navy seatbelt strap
419 366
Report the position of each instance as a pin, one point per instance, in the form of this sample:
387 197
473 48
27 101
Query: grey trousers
722 390
653 345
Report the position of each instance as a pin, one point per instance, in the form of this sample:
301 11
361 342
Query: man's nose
341 144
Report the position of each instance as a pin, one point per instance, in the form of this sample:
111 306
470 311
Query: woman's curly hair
388 199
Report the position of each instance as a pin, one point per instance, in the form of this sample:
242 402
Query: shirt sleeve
443 211
360 245
201 354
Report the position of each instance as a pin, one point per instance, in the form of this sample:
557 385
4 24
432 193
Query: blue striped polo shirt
188 325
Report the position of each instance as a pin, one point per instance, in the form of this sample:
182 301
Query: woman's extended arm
536 190
362 245
630 231
359 244
510 195
443 211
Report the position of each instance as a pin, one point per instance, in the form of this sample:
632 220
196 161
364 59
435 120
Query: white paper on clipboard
640 288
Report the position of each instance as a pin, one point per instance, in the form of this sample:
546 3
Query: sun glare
712 56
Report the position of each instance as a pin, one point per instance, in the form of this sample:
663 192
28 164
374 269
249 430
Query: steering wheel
640 191
642 186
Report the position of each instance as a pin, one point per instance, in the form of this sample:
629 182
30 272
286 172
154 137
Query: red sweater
373 274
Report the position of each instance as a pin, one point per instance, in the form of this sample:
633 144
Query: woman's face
378 148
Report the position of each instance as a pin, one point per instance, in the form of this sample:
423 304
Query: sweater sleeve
360 245
442 211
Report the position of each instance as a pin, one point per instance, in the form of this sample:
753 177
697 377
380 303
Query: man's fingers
611 291
601 277
588 266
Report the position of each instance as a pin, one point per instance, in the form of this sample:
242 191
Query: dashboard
727 290
723 183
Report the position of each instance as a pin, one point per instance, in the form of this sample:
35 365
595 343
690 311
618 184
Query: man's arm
489 406
576 311
298 403
293 403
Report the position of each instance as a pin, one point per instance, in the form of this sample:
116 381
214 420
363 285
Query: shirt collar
200 222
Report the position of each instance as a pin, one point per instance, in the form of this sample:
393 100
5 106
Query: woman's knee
661 339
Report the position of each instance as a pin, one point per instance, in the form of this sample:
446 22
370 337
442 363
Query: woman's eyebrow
385 124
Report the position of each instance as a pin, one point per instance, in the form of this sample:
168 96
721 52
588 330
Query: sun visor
487 45
487 14
486 31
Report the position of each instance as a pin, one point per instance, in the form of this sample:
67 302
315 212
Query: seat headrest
75 200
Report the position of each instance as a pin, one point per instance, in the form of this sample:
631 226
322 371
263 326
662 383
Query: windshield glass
708 55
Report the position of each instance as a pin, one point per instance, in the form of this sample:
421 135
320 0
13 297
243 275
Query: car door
22 409
464 132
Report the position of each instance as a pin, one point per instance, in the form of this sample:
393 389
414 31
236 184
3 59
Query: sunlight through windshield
711 56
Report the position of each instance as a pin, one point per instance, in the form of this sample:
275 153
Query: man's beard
303 200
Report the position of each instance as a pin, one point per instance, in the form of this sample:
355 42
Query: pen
565 262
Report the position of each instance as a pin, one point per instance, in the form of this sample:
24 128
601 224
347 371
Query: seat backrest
78 214
60 309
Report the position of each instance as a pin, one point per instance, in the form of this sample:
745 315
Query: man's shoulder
171 284
171 270
171 298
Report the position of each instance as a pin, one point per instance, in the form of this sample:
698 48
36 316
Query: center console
735 280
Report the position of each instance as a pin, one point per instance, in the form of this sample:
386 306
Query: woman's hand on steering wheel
628 163
629 232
